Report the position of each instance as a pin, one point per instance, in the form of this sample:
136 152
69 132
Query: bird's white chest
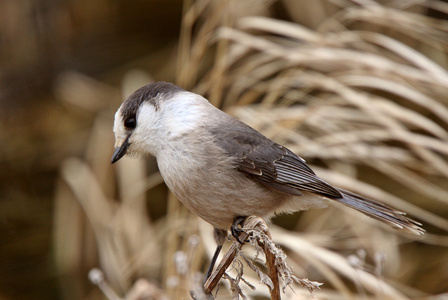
196 182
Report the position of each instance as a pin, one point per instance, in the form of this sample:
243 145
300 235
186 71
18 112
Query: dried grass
359 90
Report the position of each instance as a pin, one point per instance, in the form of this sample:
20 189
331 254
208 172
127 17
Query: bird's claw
236 228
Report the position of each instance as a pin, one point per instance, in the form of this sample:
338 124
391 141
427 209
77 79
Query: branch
251 224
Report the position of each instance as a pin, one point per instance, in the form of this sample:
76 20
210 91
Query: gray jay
222 169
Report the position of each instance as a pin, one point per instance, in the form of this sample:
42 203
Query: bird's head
152 115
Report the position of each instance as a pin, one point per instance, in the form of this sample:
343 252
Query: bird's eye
130 123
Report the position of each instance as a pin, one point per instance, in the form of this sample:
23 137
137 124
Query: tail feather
380 212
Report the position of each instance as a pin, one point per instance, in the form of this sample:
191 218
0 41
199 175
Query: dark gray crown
151 93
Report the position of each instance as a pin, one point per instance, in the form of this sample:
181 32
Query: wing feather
270 163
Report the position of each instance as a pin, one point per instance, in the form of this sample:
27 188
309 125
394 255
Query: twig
251 223
213 280
272 269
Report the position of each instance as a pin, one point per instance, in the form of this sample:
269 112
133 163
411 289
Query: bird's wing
277 167
270 163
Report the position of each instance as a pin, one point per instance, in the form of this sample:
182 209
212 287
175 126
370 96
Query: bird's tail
380 212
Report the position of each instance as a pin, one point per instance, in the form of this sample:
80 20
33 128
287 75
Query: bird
222 169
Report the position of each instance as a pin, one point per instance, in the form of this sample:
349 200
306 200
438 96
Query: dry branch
257 233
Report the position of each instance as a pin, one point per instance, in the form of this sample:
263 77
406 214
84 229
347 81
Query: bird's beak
120 151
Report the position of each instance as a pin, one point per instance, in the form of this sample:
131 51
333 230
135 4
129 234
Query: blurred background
358 88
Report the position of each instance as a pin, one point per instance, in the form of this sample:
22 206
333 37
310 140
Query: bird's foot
236 228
